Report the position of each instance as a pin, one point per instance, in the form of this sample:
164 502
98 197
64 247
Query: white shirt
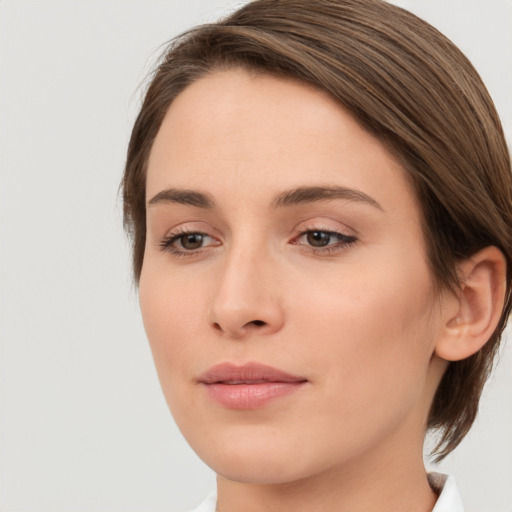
449 498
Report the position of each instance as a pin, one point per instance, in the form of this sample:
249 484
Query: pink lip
249 386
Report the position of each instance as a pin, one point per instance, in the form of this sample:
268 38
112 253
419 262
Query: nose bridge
247 294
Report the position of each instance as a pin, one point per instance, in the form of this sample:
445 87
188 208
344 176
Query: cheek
172 313
369 328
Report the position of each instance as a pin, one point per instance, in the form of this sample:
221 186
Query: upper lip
249 373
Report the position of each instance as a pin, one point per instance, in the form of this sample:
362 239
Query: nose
247 299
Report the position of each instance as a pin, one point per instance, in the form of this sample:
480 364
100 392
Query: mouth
249 386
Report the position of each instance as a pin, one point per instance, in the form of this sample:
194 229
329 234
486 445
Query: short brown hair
410 87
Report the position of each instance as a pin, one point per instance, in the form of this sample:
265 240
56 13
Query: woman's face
285 290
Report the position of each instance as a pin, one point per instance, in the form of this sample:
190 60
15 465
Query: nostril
217 326
257 322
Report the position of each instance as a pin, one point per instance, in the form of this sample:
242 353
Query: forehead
240 134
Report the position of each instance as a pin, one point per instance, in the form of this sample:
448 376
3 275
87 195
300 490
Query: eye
324 241
318 238
187 243
192 241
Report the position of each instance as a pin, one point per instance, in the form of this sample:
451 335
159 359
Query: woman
320 200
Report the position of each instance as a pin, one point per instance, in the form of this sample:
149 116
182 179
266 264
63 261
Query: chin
261 470
261 456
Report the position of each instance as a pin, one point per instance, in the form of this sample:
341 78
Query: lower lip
250 396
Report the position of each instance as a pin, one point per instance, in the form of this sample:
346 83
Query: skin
360 320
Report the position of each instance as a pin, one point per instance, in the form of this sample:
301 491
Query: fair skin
328 284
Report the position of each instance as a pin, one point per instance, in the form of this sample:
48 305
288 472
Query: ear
472 315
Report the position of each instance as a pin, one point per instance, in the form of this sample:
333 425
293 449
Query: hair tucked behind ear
409 86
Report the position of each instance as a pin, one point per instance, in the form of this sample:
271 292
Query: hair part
409 86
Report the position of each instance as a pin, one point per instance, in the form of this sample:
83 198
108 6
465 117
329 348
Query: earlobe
479 305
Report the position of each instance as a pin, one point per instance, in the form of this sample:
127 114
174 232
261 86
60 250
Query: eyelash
344 241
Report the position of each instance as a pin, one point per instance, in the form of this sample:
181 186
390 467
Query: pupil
192 241
318 238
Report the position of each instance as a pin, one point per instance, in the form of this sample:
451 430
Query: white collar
449 498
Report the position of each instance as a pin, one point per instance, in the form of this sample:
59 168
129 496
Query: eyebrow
303 195
297 196
183 196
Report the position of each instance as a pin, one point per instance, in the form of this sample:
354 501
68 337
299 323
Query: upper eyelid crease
297 196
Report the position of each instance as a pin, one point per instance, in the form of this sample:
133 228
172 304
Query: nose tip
245 303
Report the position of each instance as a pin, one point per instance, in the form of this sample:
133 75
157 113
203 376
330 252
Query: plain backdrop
84 426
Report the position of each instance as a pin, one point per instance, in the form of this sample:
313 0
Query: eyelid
341 236
191 226
325 224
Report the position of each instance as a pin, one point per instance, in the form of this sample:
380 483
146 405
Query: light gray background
84 427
